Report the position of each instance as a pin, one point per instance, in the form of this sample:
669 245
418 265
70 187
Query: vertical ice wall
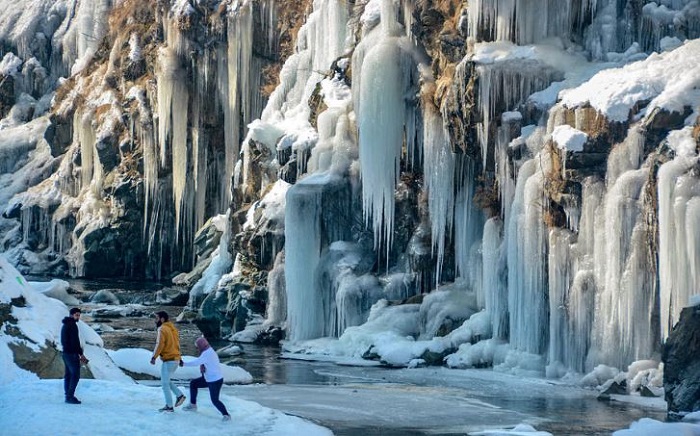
679 213
313 219
526 239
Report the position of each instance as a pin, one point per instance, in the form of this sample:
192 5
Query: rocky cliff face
144 136
682 364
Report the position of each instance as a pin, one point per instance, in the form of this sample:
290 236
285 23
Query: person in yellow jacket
168 349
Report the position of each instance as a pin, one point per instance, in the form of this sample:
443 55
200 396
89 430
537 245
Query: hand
153 360
202 369
84 360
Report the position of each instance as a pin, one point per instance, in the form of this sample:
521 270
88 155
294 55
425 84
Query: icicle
179 114
439 171
506 85
522 22
277 291
381 118
469 223
173 100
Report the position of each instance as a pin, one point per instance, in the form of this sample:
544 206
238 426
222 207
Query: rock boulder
681 358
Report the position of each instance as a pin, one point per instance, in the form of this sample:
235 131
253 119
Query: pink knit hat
202 344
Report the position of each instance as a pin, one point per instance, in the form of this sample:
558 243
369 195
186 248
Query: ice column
277 300
494 286
559 274
679 238
301 218
527 286
626 296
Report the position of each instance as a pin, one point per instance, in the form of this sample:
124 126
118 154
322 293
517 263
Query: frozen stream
426 401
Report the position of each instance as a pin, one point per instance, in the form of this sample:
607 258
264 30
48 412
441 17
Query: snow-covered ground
36 407
112 403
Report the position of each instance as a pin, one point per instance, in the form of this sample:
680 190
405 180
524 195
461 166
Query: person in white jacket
212 377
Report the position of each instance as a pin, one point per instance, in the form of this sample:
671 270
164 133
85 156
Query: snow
10 65
669 43
599 376
682 142
511 116
57 289
37 407
24 154
134 48
652 427
669 80
137 360
182 8
692 417
40 320
568 138
520 430
371 14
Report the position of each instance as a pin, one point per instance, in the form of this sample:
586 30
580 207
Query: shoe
166 409
190 408
226 418
73 400
180 400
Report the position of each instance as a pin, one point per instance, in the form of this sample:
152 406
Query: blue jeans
72 375
166 371
214 389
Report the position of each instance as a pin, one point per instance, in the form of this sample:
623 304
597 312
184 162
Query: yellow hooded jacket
168 343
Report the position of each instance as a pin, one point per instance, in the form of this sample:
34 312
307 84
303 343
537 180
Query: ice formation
542 210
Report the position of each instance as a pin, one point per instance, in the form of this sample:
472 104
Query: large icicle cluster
384 65
560 262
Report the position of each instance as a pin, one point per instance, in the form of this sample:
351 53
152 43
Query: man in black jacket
72 354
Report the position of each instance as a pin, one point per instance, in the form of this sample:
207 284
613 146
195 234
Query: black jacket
69 336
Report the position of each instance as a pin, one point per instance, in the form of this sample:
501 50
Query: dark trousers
214 389
72 376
